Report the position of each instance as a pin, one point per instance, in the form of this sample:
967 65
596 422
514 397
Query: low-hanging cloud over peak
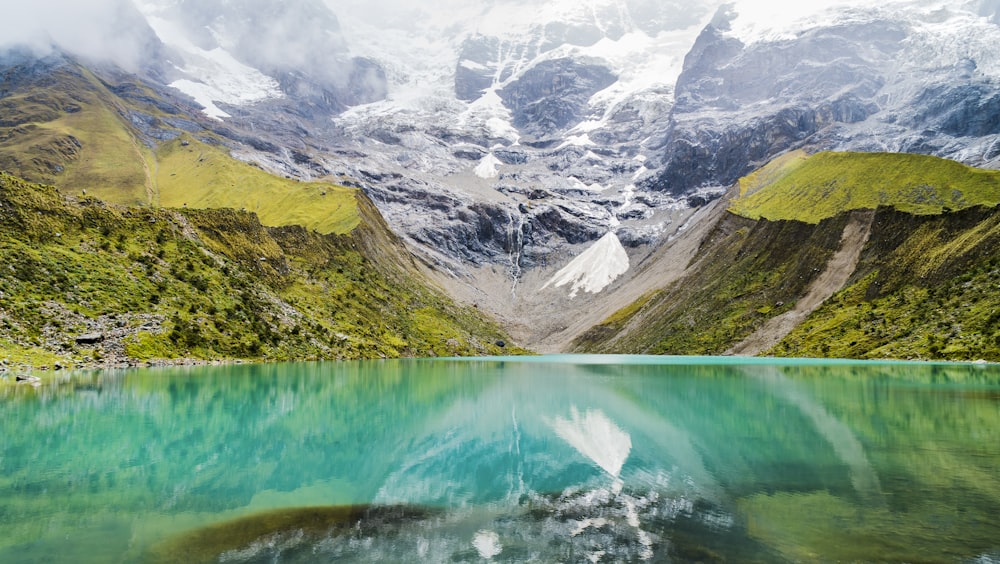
111 30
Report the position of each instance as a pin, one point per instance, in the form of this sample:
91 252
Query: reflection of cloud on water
596 437
845 445
544 459
510 473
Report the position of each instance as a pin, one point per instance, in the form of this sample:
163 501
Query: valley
630 177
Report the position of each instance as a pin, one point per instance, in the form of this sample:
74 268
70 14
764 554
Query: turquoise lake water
548 459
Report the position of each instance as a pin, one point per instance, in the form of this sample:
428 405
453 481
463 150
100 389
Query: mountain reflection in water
577 459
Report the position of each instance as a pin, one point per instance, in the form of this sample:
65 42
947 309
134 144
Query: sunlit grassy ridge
198 175
812 188
210 284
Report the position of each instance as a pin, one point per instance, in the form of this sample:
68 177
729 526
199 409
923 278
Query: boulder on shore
89 339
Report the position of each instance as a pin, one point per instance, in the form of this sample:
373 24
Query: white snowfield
594 269
488 167
417 44
214 74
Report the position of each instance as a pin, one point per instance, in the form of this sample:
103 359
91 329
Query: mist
296 31
103 30
316 45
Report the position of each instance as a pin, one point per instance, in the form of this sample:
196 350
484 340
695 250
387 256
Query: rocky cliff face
554 94
867 80
561 118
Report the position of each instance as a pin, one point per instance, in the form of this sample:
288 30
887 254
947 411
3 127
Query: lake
547 459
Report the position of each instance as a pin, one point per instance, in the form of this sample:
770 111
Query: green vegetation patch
926 289
90 283
194 174
287 532
810 189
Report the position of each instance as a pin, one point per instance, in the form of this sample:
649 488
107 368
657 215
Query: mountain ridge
87 283
780 286
500 152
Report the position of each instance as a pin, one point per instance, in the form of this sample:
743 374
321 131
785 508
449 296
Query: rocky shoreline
98 344
11 371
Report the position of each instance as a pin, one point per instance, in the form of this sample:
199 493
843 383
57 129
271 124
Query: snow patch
595 268
489 112
488 167
594 187
774 20
487 543
577 141
214 75
471 65
628 194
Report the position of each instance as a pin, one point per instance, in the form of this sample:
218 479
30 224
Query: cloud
764 18
98 29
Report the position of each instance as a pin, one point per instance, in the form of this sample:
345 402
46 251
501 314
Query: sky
498 15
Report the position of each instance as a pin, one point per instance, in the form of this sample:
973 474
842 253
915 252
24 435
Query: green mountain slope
60 125
114 138
87 282
749 271
813 188
168 247
923 287
926 287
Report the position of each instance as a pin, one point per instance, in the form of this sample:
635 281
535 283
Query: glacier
594 269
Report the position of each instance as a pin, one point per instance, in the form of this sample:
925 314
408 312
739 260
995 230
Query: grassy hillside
87 282
749 272
813 188
925 286
194 174
65 128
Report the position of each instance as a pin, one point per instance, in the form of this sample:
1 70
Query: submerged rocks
33 381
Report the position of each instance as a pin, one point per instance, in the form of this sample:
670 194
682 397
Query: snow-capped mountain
902 77
503 139
515 131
